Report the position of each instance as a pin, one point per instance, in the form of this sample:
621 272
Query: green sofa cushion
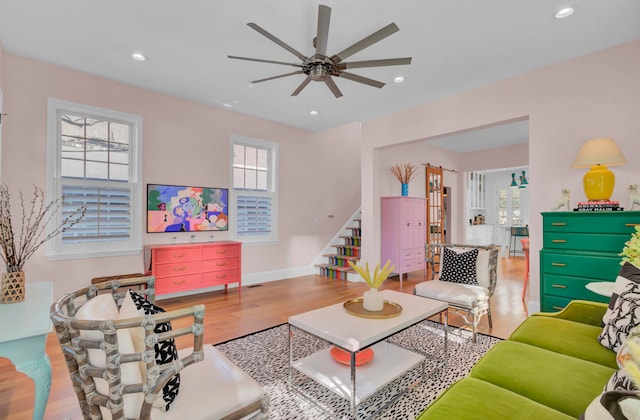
473 399
561 382
567 337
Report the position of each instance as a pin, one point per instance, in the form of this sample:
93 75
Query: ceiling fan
322 68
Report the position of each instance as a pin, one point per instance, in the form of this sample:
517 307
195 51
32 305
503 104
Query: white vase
373 300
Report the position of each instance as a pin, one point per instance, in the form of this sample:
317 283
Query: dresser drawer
221 264
554 303
223 251
592 222
410 265
221 277
178 283
412 254
177 269
585 241
178 254
604 268
570 287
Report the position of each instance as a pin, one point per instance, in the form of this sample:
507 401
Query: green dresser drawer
593 267
553 303
570 287
591 222
585 241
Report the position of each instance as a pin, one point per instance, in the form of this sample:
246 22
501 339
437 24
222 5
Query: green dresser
580 248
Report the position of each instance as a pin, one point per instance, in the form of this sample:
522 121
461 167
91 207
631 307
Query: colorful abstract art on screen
172 208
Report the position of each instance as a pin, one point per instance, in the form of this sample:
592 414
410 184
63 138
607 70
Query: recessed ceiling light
398 79
138 56
313 112
563 13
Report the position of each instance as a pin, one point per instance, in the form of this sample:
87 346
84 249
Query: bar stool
525 248
516 232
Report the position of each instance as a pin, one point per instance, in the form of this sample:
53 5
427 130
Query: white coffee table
352 333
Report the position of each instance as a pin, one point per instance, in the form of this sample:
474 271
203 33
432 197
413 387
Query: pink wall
591 96
184 143
1 61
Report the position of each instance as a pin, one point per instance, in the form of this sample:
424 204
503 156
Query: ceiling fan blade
277 77
277 41
324 17
361 79
303 85
259 60
332 85
366 42
375 63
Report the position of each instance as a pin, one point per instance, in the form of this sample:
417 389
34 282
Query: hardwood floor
229 316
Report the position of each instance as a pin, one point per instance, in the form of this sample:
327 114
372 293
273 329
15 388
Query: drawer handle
559 241
221 276
559 286
178 282
558 264
632 224
219 251
221 264
558 224
558 308
179 268
179 255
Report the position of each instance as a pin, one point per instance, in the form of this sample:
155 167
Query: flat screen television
174 208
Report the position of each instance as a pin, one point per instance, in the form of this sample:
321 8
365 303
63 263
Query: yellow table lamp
597 154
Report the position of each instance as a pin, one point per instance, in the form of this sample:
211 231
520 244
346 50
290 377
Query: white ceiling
456 45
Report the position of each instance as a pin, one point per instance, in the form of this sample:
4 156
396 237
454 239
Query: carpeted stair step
351 240
340 260
334 271
350 250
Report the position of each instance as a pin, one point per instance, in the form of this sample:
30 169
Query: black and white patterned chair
121 353
467 278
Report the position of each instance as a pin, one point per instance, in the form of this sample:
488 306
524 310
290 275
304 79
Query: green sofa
551 367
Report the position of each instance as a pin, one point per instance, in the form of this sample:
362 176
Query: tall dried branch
35 230
404 172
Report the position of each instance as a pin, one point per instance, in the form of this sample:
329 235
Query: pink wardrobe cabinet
404 233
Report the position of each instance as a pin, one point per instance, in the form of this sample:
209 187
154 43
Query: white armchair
467 278
121 354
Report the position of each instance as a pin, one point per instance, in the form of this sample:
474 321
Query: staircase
337 265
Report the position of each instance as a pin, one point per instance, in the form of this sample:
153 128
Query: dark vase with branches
36 218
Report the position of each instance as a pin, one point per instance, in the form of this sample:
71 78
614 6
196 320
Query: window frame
55 249
272 190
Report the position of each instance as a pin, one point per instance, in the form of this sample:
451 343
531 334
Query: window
254 193
94 161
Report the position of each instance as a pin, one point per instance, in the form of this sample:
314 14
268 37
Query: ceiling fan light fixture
563 13
138 56
321 67
398 79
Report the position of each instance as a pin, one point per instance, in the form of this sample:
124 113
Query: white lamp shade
600 151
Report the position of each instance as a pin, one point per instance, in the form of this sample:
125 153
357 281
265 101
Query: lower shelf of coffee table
389 362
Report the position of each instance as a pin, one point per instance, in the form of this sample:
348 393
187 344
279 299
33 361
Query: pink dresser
403 233
179 268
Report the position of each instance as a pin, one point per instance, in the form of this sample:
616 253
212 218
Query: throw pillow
459 267
620 381
100 308
624 316
613 405
629 273
166 351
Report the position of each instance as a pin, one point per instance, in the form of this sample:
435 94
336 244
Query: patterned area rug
265 357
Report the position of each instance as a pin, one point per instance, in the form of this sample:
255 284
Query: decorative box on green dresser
580 248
